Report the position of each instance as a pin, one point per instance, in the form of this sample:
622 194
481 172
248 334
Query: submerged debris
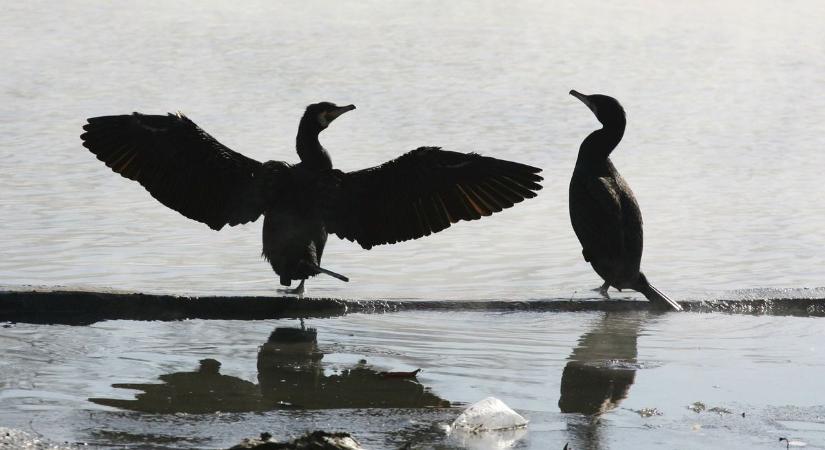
316 440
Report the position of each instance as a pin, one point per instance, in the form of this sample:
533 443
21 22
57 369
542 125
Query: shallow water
723 147
578 377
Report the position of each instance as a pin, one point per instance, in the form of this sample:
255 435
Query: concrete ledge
86 307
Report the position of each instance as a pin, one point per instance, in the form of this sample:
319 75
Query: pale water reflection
578 377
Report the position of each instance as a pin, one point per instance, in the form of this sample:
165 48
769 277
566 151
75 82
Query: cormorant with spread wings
422 192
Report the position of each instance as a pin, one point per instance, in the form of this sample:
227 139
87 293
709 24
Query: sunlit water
578 377
724 150
723 147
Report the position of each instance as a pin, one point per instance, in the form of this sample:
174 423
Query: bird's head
607 109
320 115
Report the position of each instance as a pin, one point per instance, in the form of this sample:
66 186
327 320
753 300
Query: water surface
582 378
723 147
723 150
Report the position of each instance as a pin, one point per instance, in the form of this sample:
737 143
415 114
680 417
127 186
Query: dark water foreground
594 374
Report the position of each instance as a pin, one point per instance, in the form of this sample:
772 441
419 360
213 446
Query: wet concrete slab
83 307
76 307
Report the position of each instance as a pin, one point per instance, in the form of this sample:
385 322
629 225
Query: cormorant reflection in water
204 390
290 375
599 373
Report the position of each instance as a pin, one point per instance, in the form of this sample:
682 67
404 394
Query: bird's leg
299 291
603 290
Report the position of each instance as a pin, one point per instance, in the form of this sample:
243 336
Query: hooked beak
333 114
584 99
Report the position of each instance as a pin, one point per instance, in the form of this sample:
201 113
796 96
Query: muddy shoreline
80 307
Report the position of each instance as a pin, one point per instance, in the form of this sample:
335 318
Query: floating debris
648 412
720 410
697 407
400 374
793 442
490 414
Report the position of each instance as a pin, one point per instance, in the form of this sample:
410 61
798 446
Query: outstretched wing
181 165
425 191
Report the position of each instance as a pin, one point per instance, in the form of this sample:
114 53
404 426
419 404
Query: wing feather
425 191
180 165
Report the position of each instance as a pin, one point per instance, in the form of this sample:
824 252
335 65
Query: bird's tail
654 295
332 274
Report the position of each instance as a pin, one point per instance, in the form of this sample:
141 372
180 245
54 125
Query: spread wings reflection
291 374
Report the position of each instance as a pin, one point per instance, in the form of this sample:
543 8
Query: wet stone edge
76 307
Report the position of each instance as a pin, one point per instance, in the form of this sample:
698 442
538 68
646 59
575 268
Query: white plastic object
489 414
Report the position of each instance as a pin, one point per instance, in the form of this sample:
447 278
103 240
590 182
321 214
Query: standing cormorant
422 192
603 210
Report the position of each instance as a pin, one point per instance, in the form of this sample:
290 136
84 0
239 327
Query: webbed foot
602 290
299 291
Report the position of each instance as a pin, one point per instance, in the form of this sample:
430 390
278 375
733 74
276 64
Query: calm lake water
723 146
724 150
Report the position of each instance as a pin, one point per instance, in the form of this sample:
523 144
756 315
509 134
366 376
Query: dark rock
317 440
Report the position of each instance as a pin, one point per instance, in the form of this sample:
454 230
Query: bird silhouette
604 213
422 192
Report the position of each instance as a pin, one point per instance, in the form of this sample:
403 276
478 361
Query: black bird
603 210
422 192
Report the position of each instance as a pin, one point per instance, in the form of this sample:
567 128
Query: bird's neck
596 148
312 153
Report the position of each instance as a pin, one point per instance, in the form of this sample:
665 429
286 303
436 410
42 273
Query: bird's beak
584 99
333 114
